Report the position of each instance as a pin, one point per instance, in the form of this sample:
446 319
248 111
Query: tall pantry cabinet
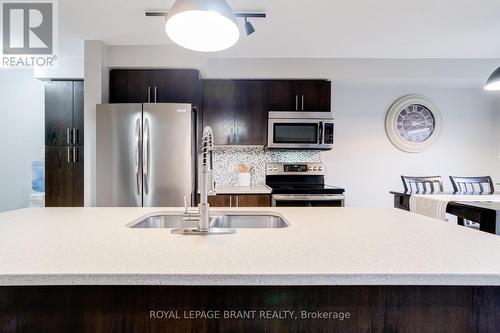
64 140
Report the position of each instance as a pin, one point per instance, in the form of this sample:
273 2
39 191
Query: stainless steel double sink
218 220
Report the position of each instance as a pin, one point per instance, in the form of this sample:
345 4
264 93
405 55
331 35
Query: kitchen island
85 266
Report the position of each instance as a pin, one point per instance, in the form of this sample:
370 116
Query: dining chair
423 184
483 184
471 185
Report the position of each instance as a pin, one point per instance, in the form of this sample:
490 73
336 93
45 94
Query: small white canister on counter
244 175
244 179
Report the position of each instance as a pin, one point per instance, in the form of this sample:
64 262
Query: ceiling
314 28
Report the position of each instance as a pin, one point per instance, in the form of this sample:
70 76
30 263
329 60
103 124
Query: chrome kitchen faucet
202 213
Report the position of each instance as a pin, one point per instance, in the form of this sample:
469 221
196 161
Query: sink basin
230 221
248 221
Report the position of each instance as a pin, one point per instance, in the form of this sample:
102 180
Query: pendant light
202 25
493 82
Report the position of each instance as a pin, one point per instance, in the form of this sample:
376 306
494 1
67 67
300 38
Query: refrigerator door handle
146 159
137 156
156 94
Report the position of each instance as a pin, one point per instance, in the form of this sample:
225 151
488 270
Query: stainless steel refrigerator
145 155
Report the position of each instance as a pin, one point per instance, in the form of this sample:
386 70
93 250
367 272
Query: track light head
249 27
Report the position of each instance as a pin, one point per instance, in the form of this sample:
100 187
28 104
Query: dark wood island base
249 309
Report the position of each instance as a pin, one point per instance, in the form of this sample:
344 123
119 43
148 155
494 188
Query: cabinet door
253 200
78 198
250 113
282 95
58 112
130 86
219 200
174 86
78 112
219 98
315 95
58 176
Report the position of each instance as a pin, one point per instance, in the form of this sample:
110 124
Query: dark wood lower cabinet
58 176
238 200
103 309
63 176
253 200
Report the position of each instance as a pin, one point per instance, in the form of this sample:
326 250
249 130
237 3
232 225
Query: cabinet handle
296 102
302 102
149 94
69 154
237 201
75 136
68 136
230 201
74 155
156 93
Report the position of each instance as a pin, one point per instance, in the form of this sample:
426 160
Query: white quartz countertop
322 246
256 189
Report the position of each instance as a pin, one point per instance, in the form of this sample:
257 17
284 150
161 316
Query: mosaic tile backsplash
227 159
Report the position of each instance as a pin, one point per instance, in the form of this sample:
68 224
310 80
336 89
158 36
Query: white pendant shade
202 25
493 82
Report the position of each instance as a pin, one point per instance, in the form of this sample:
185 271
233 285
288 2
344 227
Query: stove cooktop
305 189
299 178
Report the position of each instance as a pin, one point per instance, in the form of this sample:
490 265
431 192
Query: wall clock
413 123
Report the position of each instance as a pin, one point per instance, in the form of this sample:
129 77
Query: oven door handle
295 197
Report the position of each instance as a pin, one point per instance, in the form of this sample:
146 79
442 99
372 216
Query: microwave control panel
328 136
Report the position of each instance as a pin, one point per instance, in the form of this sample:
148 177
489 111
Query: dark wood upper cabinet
63 113
78 112
250 113
315 95
235 109
219 105
58 112
282 95
154 86
298 95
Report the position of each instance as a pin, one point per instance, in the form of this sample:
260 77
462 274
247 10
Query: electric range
302 184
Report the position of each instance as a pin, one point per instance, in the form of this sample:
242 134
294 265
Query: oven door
295 133
312 200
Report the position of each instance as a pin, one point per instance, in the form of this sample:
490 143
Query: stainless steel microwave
300 130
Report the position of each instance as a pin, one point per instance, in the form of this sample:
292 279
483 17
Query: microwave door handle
320 139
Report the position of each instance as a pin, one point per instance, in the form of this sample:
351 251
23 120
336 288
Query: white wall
364 160
21 134
96 81
369 166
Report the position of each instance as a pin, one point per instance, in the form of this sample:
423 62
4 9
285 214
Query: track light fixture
205 26
249 27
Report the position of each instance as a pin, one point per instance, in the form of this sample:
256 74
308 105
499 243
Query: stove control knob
310 168
275 169
315 168
320 168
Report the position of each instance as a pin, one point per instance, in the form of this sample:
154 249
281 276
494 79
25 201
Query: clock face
415 123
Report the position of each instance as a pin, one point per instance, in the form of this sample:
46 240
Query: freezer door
119 155
167 146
